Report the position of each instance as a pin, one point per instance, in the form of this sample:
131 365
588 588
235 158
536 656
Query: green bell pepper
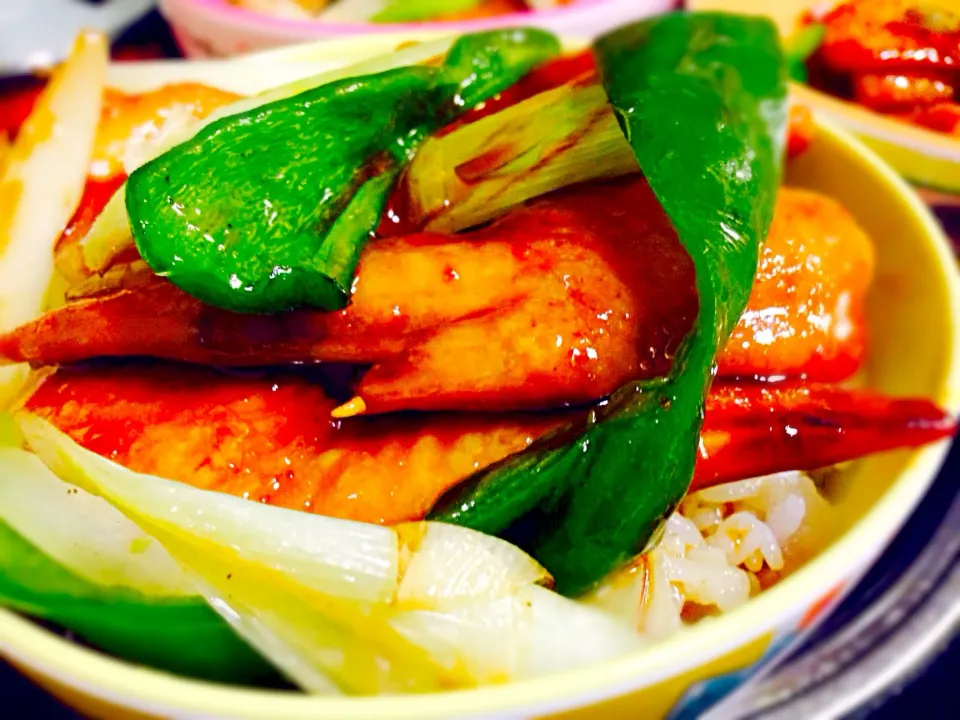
702 99
270 209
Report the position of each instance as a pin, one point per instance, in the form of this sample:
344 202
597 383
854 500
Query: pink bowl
214 28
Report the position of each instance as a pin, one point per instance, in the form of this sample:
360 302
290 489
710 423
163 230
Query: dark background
935 693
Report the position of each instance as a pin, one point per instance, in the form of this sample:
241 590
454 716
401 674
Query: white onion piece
529 633
451 564
320 642
82 532
290 649
483 639
140 147
323 598
621 594
566 634
309 592
109 235
338 557
479 171
42 183
661 603
10 435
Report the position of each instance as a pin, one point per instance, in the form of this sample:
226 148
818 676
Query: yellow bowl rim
151 691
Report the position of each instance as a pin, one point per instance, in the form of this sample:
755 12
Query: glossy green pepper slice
270 209
702 99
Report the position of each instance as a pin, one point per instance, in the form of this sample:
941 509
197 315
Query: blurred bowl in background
216 28
928 159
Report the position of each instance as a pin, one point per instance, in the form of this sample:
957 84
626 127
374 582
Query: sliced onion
483 639
321 642
10 435
339 557
621 594
297 654
323 598
309 592
451 564
566 634
481 170
41 187
83 533
531 632
109 235
411 55
661 603
141 148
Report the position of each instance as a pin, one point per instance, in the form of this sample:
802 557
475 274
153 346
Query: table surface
935 688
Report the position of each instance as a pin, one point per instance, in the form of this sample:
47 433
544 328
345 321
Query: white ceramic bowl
914 322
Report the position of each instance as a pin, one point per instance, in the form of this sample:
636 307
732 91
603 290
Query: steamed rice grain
722 546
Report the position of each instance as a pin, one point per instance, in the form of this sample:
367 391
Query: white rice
723 546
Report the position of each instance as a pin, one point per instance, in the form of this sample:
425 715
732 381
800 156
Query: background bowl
914 320
214 28
929 159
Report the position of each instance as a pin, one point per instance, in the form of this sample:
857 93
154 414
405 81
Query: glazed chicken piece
582 310
558 303
891 35
942 117
269 438
898 93
900 57
806 313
